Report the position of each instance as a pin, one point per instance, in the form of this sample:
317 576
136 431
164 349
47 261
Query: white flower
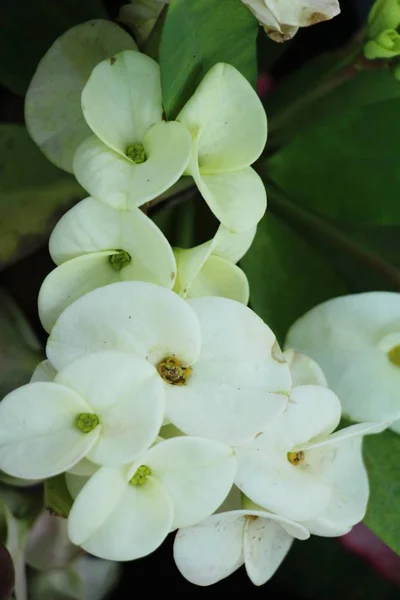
108 407
210 270
215 548
281 19
134 155
229 130
356 340
218 362
53 112
126 513
297 470
303 369
95 245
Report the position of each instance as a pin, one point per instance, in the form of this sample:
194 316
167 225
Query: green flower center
172 371
120 260
137 153
86 422
296 458
394 355
140 476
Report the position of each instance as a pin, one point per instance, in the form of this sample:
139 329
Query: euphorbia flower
296 469
281 19
210 269
356 341
108 407
53 112
126 513
134 155
95 245
222 372
228 125
216 547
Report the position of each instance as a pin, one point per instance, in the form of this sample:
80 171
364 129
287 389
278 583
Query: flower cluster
165 400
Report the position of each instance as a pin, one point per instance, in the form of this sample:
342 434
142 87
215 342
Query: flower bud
384 15
386 45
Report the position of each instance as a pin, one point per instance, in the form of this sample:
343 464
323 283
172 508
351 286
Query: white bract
210 270
281 19
53 112
296 469
303 369
228 125
218 362
108 407
95 245
126 513
215 548
134 155
356 340
43 372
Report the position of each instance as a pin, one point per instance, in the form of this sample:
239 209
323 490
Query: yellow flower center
140 476
296 458
394 355
172 371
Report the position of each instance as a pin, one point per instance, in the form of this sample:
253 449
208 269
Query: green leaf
197 34
320 90
381 453
346 167
57 498
361 255
287 277
29 28
32 191
20 351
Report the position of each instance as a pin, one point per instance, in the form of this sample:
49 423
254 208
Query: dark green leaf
20 351
57 498
29 28
197 34
287 277
346 167
320 91
381 454
32 191
362 255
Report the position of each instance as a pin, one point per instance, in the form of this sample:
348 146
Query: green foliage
333 144
20 351
32 191
29 28
57 498
287 276
197 35
381 454
346 167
